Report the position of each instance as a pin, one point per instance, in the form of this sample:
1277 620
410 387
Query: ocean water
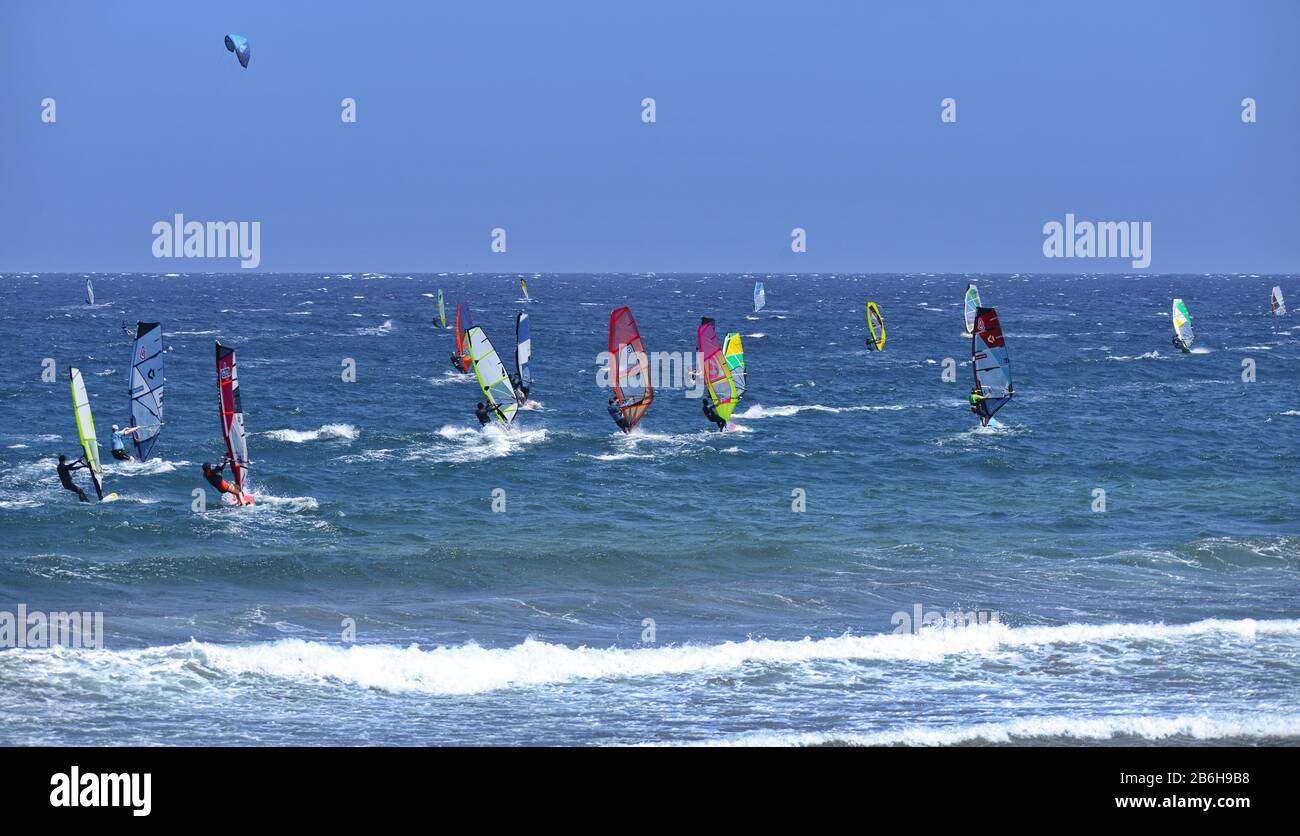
660 588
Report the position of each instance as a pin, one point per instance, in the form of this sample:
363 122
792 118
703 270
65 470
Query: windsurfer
520 389
213 475
65 475
456 363
712 415
1178 344
119 443
615 410
482 414
978 405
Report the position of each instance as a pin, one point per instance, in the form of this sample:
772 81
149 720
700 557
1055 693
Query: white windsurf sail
760 297
1278 303
90 293
523 349
492 376
971 305
1183 324
146 387
86 430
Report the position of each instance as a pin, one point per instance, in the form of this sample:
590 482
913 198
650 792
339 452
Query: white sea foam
377 331
346 432
760 411
1150 355
472 669
450 376
460 444
1196 726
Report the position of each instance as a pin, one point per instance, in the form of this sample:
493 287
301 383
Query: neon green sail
86 429
442 311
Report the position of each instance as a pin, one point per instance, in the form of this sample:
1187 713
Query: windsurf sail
146 387
971 305
523 285
463 324
442 311
232 416
1183 324
630 366
717 372
523 349
1278 303
990 362
760 297
90 293
86 430
734 353
492 376
876 324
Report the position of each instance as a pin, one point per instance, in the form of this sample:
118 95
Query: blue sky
771 116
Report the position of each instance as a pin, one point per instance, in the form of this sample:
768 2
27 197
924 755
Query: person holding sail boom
712 415
213 475
615 410
119 443
65 475
977 405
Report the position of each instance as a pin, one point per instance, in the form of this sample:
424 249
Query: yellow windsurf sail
876 323
86 429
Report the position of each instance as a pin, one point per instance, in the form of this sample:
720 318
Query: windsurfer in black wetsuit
65 475
482 414
712 415
456 363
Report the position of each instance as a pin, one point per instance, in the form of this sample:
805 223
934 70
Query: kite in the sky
238 44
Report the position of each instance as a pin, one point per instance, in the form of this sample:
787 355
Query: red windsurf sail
629 366
232 415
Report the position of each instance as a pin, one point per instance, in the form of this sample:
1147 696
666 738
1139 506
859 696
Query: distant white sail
972 304
1279 304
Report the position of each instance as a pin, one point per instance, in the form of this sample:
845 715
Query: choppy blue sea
660 588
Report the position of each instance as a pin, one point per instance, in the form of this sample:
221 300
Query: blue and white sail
760 298
146 387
